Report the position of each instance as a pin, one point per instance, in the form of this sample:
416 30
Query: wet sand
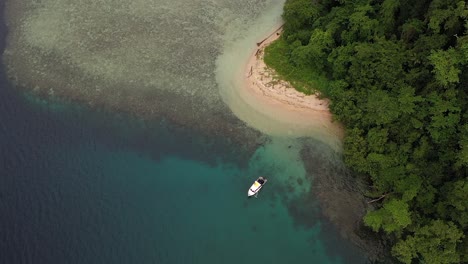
287 111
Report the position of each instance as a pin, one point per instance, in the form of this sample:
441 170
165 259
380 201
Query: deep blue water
80 186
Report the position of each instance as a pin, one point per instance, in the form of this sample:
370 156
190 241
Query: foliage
434 243
303 78
392 217
396 73
445 64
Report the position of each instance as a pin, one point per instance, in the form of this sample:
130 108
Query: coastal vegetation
397 76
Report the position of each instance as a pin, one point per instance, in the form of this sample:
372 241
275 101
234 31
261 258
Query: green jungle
396 73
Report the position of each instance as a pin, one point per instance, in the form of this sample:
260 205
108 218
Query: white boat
256 186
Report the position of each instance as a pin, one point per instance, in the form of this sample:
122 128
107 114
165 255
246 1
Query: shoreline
341 200
307 114
262 79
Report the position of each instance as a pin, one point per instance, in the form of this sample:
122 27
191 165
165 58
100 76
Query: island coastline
262 79
279 99
341 198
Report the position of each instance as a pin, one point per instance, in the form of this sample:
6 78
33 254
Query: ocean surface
87 186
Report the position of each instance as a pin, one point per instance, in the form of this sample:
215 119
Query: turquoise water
85 187
200 214
190 212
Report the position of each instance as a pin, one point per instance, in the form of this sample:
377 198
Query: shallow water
104 52
87 186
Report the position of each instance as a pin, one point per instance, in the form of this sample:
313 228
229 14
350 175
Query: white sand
262 79
271 106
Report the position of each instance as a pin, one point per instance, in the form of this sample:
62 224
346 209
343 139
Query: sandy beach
276 98
262 79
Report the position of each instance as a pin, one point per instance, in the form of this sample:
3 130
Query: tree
300 14
446 66
411 30
408 186
447 16
361 26
356 148
382 107
454 205
407 99
388 10
315 53
394 216
445 115
377 64
340 59
377 138
462 157
434 243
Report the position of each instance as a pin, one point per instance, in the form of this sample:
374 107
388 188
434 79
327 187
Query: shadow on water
340 206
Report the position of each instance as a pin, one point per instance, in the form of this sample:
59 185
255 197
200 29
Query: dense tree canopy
397 76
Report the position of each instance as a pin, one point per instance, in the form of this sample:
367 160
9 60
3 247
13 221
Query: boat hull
252 193
256 186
